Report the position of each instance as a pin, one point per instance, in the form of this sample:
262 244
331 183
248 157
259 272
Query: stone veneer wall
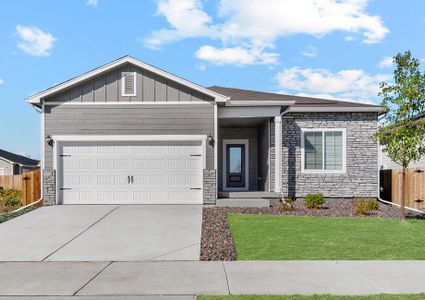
210 179
361 177
49 187
272 155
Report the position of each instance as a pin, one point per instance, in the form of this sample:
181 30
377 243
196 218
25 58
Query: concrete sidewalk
189 278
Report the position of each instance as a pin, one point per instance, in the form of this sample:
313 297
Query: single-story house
128 132
14 164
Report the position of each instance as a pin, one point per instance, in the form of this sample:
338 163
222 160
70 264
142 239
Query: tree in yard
403 128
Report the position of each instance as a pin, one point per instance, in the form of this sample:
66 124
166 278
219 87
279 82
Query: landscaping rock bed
217 244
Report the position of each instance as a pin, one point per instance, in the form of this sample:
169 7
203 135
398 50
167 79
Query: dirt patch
217 243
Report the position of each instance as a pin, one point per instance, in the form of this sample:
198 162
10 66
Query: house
128 132
386 163
14 164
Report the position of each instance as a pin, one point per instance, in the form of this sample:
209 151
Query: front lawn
260 237
315 297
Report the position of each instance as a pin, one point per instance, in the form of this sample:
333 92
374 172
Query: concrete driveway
103 233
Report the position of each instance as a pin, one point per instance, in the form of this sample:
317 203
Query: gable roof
18 159
36 99
301 103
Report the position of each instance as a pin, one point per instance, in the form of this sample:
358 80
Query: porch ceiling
240 122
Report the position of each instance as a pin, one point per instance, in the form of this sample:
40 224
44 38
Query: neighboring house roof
18 159
37 98
301 103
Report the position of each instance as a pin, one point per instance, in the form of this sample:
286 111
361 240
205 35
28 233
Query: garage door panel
161 172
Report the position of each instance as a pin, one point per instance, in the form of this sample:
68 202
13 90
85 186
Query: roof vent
128 83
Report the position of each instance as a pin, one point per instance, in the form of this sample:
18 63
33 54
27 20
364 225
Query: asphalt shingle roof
247 95
18 158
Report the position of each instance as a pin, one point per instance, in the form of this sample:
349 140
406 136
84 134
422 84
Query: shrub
314 200
364 206
9 200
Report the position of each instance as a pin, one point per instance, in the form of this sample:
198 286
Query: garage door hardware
196 189
65 155
196 155
130 179
65 189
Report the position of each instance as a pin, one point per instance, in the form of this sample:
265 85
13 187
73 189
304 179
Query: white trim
260 103
344 151
216 147
123 75
1 171
36 99
215 137
43 135
298 109
43 146
242 142
248 112
128 103
269 171
8 161
278 154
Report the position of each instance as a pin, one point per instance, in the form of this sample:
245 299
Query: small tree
403 128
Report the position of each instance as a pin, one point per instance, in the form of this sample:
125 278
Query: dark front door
235 165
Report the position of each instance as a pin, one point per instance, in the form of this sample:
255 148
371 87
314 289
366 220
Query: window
128 83
323 150
1 171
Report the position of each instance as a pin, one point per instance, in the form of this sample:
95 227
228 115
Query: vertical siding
7 167
149 86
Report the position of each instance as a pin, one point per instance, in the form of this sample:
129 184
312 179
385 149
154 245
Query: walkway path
188 278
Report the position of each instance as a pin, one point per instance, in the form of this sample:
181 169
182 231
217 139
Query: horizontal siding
129 120
150 87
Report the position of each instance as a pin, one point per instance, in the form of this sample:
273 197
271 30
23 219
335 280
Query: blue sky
326 48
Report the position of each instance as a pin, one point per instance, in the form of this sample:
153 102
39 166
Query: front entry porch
248 161
244 155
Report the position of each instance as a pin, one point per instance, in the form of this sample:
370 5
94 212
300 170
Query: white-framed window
1 171
323 150
128 83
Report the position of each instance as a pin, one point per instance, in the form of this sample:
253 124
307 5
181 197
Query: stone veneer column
210 186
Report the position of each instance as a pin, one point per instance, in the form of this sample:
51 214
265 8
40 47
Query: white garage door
131 173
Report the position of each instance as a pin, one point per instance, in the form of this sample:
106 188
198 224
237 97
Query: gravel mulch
217 244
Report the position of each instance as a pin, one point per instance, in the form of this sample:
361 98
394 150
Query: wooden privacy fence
28 183
391 184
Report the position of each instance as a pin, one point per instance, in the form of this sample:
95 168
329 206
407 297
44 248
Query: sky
321 48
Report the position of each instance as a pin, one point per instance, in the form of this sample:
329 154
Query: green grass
260 237
315 297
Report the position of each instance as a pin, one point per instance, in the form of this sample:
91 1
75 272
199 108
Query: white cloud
258 23
386 62
91 2
309 51
237 56
186 18
34 41
350 38
352 84
1 81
